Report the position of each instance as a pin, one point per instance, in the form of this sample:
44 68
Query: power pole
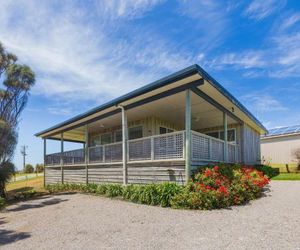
23 152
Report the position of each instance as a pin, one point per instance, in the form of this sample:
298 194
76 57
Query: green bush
28 169
114 190
211 187
267 170
2 203
25 195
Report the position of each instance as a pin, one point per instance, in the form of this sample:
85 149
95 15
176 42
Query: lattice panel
200 147
168 146
96 154
74 156
113 152
53 159
217 150
139 149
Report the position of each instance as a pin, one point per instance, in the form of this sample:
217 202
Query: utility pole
23 152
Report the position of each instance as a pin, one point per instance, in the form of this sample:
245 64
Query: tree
39 168
297 156
28 169
17 81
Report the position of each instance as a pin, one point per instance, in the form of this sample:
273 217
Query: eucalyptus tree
16 81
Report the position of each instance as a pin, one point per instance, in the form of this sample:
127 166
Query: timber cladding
138 173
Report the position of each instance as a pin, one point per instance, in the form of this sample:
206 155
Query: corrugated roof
283 130
157 84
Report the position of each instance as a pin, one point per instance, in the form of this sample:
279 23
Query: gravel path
78 221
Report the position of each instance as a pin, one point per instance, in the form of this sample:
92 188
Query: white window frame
221 130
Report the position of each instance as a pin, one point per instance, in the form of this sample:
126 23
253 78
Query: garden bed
211 187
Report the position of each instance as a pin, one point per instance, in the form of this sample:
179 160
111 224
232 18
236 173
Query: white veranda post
188 117
225 137
124 144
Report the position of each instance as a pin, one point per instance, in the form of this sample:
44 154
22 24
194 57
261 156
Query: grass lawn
287 177
25 185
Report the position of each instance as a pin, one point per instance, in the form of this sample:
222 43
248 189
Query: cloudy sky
84 53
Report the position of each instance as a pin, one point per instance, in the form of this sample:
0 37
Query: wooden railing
207 148
153 148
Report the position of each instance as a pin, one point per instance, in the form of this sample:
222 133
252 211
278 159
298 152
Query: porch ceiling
171 109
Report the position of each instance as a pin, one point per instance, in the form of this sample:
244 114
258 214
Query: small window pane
213 134
230 135
162 130
106 138
95 140
118 135
135 133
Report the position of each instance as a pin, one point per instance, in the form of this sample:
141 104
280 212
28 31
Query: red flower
218 182
223 190
216 168
208 187
208 172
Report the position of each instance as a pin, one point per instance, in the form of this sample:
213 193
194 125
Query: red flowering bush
221 186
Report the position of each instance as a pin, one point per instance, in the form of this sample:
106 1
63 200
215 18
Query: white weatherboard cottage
160 132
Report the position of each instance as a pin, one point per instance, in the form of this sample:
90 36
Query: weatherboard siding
251 145
138 173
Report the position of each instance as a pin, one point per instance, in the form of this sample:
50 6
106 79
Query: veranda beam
225 137
62 156
188 117
216 104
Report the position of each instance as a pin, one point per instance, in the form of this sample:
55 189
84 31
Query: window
118 135
106 138
95 140
220 135
163 130
214 134
135 132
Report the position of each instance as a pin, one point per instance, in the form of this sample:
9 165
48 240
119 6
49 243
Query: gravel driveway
78 221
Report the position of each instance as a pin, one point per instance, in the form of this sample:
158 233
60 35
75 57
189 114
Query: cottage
160 132
280 146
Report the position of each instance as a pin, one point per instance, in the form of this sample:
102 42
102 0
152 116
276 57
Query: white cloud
289 21
125 8
78 58
244 59
262 102
209 19
260 9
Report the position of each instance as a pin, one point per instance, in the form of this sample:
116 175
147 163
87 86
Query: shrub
216 187
39 168
2 203
211 187
28 169
114 190
267 170
25 195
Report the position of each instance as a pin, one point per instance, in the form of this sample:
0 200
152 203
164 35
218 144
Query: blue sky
84 53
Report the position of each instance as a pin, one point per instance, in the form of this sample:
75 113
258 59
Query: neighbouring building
160 132
279 146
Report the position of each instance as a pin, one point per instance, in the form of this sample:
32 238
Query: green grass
287 177
36 184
